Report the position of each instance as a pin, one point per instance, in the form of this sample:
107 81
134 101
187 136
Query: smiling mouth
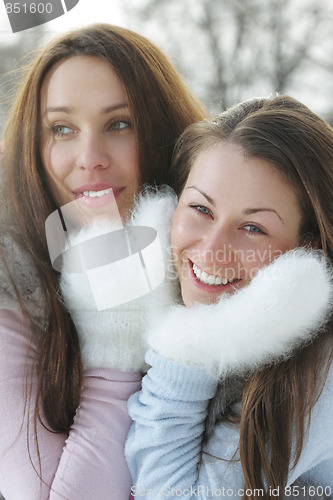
101 190
95 194
210 279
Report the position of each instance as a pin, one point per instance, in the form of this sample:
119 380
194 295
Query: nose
217 247
92 152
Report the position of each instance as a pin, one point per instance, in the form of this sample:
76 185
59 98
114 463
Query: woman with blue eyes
88 137
96 116
234 216
238 400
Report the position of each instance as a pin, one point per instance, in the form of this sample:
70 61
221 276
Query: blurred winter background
227 50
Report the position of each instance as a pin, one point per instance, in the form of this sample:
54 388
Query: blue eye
61 130
201 208
251 228
119 125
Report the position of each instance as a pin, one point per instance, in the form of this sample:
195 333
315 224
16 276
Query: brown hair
299 145
162 107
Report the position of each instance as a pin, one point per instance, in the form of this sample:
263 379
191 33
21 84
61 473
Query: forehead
76 77
223 168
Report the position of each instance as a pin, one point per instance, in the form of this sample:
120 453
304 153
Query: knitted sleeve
163 448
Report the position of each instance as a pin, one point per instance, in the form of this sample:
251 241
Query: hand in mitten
108 304
282 308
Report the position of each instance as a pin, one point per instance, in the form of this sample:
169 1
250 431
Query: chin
192 300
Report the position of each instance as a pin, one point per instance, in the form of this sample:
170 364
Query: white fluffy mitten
114 335
282 308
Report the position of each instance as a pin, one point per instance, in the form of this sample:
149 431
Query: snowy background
227 50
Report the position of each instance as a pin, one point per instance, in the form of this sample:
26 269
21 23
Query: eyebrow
247 211
250 211
208 198
70 109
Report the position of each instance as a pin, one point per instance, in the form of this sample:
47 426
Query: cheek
184 241
283 245
125 154
56 164
253 260
179 230
178 237
134 170
175 244
129 172
56 161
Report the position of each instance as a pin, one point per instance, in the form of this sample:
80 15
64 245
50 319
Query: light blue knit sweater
164 444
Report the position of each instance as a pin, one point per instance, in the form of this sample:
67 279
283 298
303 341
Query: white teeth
209 279
96 194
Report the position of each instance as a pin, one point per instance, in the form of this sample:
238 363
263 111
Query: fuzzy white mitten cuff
115 337
282 308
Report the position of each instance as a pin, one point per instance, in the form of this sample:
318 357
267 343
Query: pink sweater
87 464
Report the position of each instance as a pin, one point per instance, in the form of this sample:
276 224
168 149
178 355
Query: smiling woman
234 216
96 115
88 139
238 400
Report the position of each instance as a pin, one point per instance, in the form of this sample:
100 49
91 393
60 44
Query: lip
98 187
98 202
217 289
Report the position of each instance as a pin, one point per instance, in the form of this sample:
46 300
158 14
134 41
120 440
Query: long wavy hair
276 400
162 107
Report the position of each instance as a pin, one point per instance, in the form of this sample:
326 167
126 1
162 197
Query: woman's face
88 140
235 215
